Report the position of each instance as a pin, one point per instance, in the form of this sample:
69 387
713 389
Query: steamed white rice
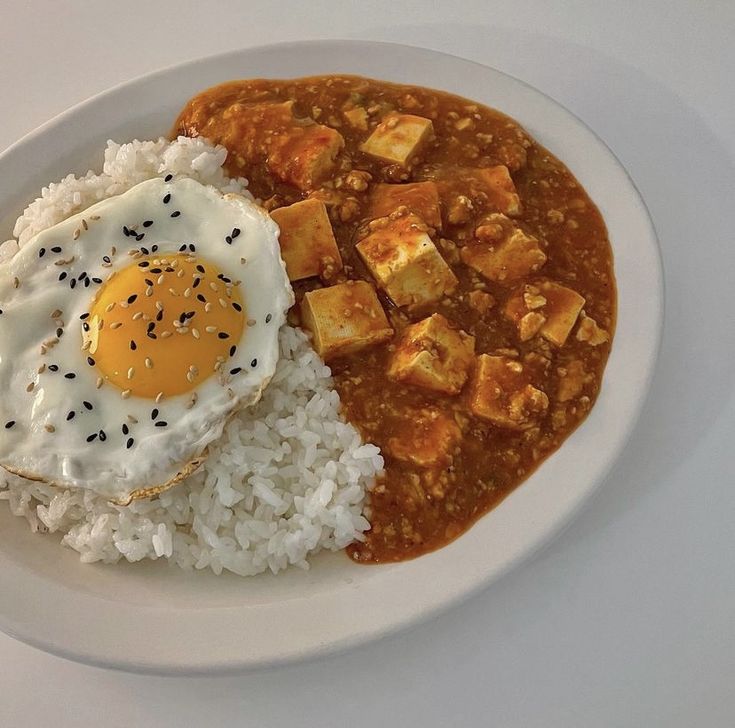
288 477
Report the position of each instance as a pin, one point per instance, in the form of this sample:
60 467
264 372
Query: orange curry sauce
528 274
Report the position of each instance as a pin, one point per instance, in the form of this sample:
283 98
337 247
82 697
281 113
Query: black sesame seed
161 423
192 247
70 375
90 361
169 270
71 415
236 306
53 367
154 413
84 316
233 349
72 283
196 283
131 299
151 326
150 335
103 435
235 232
143 264
82 275
200 268
143 250
228 240
140 237
56 249
159 316
223 335
268 318
85 326
167 198
182 317
168 178
129 443
156 270
133 345
87 282
92 437
175 213
59 332
154 249
254 363
201 298
1 312
147 223
148 281
125 429
41 252
88 405
63 275
126 231
190 314
106 259
97 280
236 370
9 424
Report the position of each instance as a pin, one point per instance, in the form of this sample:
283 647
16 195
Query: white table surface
628 618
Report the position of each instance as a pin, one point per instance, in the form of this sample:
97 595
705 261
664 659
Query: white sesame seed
223 303
125 393
131 372
159 397
137 316
165 334
195 333
181 273
190 377
182 330
228 291
251 322
210 329
84 224
148 292
207 307
77 233
56 314
124 304
161 279
159 305
86 344
49 428
213 285
94 217
30 386
177 324
116 325
109 307
148 363
187 293
99 382
16 282
41 369
132 419
172 292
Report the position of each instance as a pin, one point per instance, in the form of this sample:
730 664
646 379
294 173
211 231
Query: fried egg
131 332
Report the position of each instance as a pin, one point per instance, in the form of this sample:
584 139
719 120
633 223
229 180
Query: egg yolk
163 325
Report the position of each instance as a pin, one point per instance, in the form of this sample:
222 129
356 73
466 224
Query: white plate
148 617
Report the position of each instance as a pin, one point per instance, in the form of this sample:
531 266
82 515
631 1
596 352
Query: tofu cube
501 193
405 262
421 198
307 242
559 305
428 439
433 355
502 252
305 155
489 188
344 318
398 138
501 393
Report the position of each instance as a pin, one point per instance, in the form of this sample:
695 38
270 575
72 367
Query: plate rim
320 649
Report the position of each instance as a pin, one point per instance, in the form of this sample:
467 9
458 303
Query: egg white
41 444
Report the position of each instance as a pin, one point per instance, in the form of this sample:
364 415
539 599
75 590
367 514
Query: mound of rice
288 477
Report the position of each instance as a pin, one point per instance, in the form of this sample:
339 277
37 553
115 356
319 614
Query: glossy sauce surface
445 466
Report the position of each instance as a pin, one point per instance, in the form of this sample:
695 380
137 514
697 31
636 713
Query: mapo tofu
452 272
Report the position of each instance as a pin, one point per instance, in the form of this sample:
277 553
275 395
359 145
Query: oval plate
148 617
